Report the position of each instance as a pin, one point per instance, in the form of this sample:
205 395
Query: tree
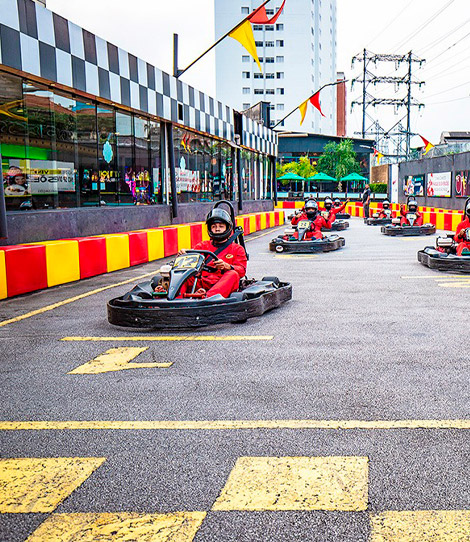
303 168
338 159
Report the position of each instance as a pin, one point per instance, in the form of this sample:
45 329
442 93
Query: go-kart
338 225
301 245
443 257
375 220
395 228
174 307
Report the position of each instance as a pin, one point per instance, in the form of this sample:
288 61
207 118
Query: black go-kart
343 216
337 225
143 307
300 245
376 220
395 229
443 256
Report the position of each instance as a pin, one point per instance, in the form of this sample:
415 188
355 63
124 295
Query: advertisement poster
439 185
413 185
394 183
51 177
462 184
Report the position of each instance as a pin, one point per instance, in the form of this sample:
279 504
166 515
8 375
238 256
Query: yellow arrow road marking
176 338
116 359
216 425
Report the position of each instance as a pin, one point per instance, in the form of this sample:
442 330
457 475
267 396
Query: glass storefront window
108 175
125 158
87 161
143 186
156 162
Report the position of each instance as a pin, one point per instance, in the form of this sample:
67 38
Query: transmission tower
401 136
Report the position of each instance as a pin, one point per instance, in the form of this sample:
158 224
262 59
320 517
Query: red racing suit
462 244
382 214
315 229
221 282
404 220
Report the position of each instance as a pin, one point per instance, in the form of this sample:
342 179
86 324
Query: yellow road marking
421 526
70 300
89 527
176 338
208 425
41 484
435 277
116 359
456 284
296 483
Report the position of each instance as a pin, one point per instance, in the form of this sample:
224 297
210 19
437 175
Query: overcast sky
437 30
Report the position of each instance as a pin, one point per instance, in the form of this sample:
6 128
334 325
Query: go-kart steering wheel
206 254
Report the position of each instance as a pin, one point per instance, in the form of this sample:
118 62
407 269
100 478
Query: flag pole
316 92
179 73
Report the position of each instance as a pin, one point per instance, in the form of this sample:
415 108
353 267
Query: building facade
297 55
85 125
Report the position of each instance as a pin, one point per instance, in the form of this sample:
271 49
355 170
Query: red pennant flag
259 16
428 145
315 101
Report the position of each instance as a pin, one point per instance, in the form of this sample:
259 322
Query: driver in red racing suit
230 265
412 208
386 207
460 232
331 209
310 212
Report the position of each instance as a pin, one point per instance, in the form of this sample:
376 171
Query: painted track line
174 338
218 425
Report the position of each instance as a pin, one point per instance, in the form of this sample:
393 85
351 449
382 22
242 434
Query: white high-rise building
297 54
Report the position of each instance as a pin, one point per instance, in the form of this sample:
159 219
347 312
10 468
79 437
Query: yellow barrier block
117 251
440 221
62 261
155 244
426 218
456 220
252 223
282 218
184 236
272 219
263 221
299 204
3 276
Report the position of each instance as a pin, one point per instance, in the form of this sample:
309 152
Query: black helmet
467 208
386 203
328 203
222 217
311 209
413 205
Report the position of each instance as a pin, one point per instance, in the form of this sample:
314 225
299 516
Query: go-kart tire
343 216
272 279
378 221
337 226
432 258
279 248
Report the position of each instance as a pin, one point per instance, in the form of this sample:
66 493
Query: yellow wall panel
63 262
263 221
3 276
155 244
184 237
252 223
117 251
440 221
456 220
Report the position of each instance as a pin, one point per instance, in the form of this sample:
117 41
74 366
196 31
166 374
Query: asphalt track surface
370 335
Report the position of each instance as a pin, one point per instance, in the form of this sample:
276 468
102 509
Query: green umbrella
291 177
319 177
354 177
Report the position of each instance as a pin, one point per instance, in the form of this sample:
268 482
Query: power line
448 48
449 101
434 43
388 25
404 41
447 90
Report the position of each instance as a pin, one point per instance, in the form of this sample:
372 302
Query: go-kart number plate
411 216
187 261
325 214
303 225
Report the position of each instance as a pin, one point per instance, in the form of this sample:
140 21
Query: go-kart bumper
327 244
408 231
434 259
378 221
338 225
159 313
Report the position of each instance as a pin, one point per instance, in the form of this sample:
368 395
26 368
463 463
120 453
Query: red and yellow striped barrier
443 219
34 266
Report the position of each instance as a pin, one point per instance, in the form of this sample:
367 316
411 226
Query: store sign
51 178
462 184
413 185
439 185
187 180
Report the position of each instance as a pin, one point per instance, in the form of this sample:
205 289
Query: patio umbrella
322 177
291 177
354 177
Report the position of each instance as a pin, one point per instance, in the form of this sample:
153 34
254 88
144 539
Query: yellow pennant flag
244 35
303 110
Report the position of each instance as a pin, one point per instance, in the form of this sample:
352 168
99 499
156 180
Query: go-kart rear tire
279 248
274 280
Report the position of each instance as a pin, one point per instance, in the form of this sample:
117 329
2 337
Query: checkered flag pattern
257 136
37 41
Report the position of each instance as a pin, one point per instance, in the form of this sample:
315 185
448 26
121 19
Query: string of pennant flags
427 147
